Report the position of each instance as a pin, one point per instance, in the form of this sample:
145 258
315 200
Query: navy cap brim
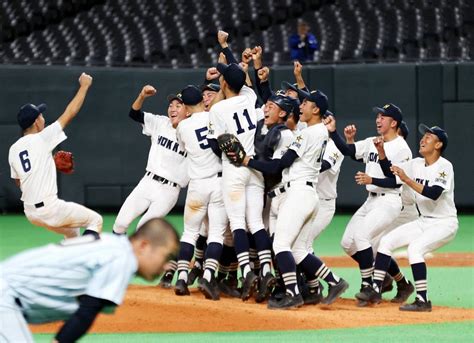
422 128
210 87
221 67
378 110
286 85
172 97
42 108
304 95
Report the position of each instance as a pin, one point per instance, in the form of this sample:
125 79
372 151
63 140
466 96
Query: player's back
192 134
31 161
238 116
49 279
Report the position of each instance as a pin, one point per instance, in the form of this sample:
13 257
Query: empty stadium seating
182 33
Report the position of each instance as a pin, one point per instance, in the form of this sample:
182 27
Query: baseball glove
64 161
232 148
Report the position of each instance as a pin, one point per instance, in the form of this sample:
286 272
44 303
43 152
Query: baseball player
408 213
204 195
77 279
432 178
242 188
34 171
300 165
383 204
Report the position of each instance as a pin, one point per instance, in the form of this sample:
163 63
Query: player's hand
222 38
378 142
85 80
222 58
247 55
330 123
257 53
147 91
263 74
397 171
363 179
350 132
298 68
212 74
244 66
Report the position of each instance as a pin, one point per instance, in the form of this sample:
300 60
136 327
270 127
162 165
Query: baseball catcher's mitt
64 161
228 143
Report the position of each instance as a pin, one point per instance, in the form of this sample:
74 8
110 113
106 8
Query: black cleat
335 292
404 290
369 294
313 296
248 285
289 301
181 288
417 306
387 284
265 287
209 289
167 279
194 274
229 287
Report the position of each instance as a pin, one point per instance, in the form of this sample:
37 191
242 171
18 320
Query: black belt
161 179
273 193
39 205
219 174
373 194
308 183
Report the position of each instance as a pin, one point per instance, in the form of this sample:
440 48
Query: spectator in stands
303 44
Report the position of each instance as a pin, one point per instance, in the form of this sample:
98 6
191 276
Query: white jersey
166 157
192 133
286 140
327 181
236 115
396 150
408 196
31 161
48 280
309 145
440 173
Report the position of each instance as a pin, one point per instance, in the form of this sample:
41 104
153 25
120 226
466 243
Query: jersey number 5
202 138
239 126
25 162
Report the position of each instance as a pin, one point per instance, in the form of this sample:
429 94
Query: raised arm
298 72
73 108
222 39
345 149
136 112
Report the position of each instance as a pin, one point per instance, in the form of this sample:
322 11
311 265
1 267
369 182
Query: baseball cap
210 87
28 114
318 97
390 110
172 97
191 95
233 74
404 129
437 131
282 101
329 113
286 85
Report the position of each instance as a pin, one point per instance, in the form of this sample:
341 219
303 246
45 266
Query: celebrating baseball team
261 167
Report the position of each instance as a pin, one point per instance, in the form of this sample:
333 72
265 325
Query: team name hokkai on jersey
170 144
441 178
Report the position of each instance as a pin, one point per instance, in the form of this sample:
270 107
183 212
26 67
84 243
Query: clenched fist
85 80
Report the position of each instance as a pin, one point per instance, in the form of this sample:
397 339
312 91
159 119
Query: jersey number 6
25 162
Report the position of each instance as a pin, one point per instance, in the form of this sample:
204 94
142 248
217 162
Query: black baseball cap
390 110
404 129
437 131
286 85
210 87
191 95
282 101
172 97
318 97
28 114
233 74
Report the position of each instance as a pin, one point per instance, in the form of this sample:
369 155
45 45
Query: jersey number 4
239 126
25 162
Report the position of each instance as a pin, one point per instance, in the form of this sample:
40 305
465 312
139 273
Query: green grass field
447 286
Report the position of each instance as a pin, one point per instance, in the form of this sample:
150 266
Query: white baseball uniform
205 189
31 161
327 191
42 285
243 188
383 205
438 222
166 172
300 202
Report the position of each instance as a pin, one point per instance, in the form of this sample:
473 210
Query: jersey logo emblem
299 138
442 174
386 106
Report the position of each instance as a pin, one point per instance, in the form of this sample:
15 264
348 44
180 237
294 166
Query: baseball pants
243 190
326 211
421 236
154 197
371 219
204 198
64 217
